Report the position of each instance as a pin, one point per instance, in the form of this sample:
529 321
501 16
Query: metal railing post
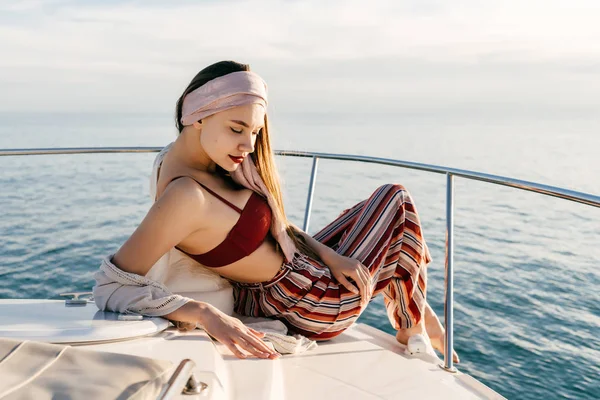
449 279
311 190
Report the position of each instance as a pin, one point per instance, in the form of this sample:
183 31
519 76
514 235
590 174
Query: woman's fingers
346 283
244 344
244 339
257 347
232 333
251 338
233 343
257 333
361 279
233 348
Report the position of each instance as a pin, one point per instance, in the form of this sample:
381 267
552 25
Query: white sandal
419 344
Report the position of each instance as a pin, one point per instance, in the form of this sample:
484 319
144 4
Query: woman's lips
237 160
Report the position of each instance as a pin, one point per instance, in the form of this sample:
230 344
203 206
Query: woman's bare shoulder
183 184
177 213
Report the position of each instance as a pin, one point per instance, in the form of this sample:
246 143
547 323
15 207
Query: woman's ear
198 125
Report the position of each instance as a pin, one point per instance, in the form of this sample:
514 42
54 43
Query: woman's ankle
403 334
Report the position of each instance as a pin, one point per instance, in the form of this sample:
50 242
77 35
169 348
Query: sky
412 56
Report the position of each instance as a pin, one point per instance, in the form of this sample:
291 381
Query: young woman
219 201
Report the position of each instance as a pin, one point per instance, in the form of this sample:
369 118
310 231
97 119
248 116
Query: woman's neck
188 151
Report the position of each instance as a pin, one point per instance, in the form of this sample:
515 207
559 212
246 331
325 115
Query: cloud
138 56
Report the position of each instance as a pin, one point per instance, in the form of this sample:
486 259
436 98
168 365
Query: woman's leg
384 233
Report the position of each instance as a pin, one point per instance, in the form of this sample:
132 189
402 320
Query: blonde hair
264 159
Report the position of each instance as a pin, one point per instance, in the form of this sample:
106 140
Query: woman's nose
247 145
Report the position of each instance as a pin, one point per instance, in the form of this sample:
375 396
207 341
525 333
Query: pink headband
222 93
225 92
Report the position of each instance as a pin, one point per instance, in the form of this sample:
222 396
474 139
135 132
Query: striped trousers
384 233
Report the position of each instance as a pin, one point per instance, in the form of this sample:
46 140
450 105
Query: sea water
527 280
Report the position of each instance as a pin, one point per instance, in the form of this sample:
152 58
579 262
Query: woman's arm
323 251
342 267
174 216
226 329
121 284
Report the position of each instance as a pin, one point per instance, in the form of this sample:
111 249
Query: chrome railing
579 197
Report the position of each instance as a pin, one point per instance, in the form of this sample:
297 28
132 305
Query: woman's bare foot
436 332
403 334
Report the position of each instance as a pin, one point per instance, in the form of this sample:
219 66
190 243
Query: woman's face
229 136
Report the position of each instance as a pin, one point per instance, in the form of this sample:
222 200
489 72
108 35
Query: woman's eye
240 131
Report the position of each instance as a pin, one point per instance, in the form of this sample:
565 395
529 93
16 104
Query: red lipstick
236 160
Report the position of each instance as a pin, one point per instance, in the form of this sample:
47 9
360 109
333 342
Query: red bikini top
246 235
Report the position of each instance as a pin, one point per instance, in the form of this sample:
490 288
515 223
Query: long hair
262 156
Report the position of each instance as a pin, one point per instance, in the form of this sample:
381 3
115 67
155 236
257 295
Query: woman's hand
234 334
343 267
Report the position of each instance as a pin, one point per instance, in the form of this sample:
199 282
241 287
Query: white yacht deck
362 363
